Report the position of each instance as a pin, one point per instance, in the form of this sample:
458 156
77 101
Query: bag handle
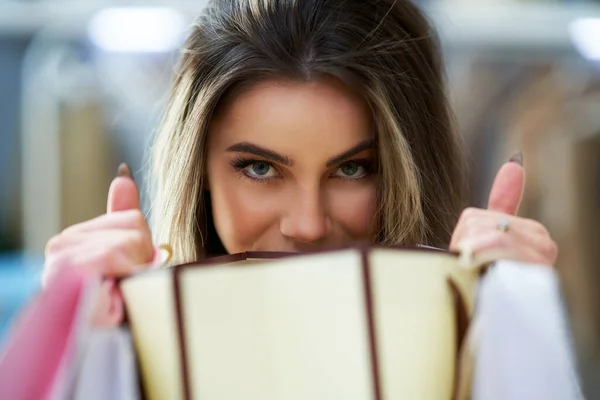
462 284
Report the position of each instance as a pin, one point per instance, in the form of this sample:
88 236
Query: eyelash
240 163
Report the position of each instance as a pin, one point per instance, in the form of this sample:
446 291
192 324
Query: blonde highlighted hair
385 50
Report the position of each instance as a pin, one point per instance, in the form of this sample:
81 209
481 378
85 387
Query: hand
112 245
523 239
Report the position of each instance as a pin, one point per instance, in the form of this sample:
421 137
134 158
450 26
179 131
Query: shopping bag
108 369
39 357
522 341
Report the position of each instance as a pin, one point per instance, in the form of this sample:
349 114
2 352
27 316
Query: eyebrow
246 147
362 146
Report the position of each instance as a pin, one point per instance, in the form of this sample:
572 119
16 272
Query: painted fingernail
124 170
517 158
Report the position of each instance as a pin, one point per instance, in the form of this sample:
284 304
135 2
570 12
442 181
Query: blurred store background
82 85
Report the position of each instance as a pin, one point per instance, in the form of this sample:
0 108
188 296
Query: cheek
353 209
242 214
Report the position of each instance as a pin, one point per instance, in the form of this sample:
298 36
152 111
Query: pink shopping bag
38 354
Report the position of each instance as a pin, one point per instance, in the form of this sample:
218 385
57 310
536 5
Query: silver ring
503 225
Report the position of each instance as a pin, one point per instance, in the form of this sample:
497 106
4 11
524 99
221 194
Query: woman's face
291 167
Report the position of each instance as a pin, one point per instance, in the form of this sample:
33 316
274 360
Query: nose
305 218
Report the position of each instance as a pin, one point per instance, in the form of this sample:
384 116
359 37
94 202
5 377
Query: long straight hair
384 49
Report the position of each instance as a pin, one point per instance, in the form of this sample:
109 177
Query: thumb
123 193
508 187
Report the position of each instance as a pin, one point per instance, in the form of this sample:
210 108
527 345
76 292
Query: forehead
292 117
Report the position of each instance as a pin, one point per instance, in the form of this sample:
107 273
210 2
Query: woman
296 125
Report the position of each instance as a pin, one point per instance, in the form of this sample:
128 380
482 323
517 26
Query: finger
91 259
123 193
472 217
507 190
520 232
102 252
495 245
474 222
102 306
467 215
108 311
128 219
136 244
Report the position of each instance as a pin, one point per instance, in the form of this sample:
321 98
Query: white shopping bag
522 344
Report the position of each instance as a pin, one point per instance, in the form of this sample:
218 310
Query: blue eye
260 168
352 170
255 169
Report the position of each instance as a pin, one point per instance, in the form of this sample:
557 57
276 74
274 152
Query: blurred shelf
491 26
